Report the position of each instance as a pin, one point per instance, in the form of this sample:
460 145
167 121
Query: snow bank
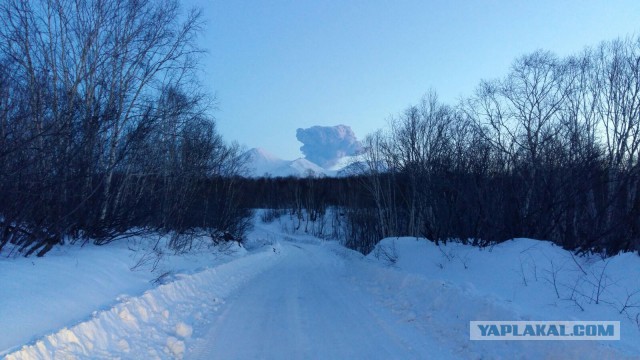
514 280
41 295
154 325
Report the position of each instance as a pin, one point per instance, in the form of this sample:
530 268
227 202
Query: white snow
302 167
41 295
295 296
72 284
154 325
263 163
449 285
345 162
183 330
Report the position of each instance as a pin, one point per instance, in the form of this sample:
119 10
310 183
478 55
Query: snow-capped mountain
305 167
262 163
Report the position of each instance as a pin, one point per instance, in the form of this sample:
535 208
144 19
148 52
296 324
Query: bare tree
103 126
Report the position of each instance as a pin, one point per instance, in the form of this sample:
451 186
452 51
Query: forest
104 130
550 151
105 133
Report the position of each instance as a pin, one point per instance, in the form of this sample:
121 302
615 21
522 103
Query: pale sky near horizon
279 65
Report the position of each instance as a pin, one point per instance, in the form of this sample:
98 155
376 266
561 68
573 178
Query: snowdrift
521 279
153 325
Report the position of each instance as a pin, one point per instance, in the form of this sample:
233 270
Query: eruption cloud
325 145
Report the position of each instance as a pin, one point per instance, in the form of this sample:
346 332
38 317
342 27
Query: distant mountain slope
303 167
262 163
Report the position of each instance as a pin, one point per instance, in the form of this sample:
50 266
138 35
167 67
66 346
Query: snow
263 163
308 306
72 284
346 162
67 285
514 281
290 295
184 330
304 167
156 324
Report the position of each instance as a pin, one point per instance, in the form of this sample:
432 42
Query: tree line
550 151
104 133
103 127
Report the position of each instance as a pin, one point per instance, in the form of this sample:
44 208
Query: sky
279 65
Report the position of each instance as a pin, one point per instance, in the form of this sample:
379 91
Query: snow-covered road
308 306
293 296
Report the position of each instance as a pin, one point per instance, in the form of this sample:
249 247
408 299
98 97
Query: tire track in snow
305 307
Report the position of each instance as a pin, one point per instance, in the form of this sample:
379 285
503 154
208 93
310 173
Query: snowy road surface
308 305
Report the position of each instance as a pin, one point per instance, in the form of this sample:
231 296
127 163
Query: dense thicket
102 129
550 151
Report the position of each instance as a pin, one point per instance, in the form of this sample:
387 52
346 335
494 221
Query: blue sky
283 64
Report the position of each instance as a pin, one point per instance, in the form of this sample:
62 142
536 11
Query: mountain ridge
261 163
